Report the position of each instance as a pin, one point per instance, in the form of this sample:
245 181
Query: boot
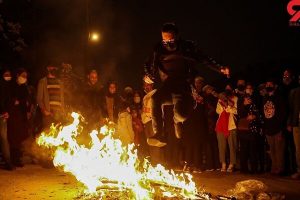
157 140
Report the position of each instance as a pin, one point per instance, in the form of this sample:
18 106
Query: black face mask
54 72
241 87
269 89
170 46
228 92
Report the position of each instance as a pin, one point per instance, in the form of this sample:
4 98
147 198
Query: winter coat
124 129
43 95
232 110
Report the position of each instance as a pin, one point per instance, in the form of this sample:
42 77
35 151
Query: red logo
293 9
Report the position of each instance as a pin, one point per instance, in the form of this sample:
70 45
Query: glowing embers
106 167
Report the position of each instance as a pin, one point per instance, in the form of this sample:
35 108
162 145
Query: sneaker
296 176
9 167
178 129
223 169
230 168
18 164
156 141
197 171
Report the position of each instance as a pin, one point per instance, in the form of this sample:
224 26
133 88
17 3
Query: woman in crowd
111 102
226 127
137 102
19 113
250 133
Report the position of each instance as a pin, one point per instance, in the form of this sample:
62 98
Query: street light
94 37
90 36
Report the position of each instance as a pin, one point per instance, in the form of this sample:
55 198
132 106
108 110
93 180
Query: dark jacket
20 94
116 106
92 98
251 109
294 105
273 114
5 95
178 64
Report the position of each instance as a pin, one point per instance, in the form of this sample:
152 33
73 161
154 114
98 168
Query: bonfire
110 170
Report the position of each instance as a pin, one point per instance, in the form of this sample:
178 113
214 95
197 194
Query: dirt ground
34 182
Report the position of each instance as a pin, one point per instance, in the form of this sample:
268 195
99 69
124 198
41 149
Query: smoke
33 153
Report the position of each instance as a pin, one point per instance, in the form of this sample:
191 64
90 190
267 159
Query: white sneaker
223 169
230 168
155 142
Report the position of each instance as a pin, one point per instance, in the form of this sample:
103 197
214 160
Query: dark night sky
241 34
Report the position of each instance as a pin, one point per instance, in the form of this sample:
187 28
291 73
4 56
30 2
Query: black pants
289 153
16 155
172 92
174 148
194 137
251 152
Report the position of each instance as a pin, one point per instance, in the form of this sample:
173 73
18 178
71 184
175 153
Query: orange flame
109 164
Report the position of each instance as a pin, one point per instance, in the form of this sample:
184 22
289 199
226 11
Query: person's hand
225 70
17 102
289 128
247 101
199 99
148 79
5 115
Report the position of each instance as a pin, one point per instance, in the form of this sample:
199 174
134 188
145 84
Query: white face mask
7 78
22 80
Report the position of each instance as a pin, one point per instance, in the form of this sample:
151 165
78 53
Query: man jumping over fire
173 60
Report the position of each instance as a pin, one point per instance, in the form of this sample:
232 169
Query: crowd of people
253 129
245 127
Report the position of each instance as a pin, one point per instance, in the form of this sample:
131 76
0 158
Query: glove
148 79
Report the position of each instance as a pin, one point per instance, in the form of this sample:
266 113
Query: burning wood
106 167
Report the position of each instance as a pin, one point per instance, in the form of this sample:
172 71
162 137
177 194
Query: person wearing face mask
226 127
250 134
19 107
288 83
50 97
5 94
241 86
274 116
173 61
